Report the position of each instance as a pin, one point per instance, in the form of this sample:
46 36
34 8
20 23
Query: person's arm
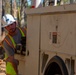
10 55
14 62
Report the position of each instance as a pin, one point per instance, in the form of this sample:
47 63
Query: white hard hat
7 20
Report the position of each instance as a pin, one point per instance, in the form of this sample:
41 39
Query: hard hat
7 20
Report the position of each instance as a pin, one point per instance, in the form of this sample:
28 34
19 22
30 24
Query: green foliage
66 1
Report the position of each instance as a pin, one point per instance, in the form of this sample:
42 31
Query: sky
29 1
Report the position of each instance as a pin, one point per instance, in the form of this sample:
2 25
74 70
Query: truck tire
56 66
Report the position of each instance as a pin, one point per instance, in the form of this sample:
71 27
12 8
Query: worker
15 38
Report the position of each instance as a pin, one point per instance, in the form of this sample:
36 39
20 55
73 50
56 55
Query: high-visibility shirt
9 67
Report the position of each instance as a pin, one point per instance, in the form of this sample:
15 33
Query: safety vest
12 40
9 67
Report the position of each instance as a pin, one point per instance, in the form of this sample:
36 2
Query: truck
51 40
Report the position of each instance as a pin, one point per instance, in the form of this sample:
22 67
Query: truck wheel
56 66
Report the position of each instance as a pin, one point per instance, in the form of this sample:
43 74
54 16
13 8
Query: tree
21 13
7 6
